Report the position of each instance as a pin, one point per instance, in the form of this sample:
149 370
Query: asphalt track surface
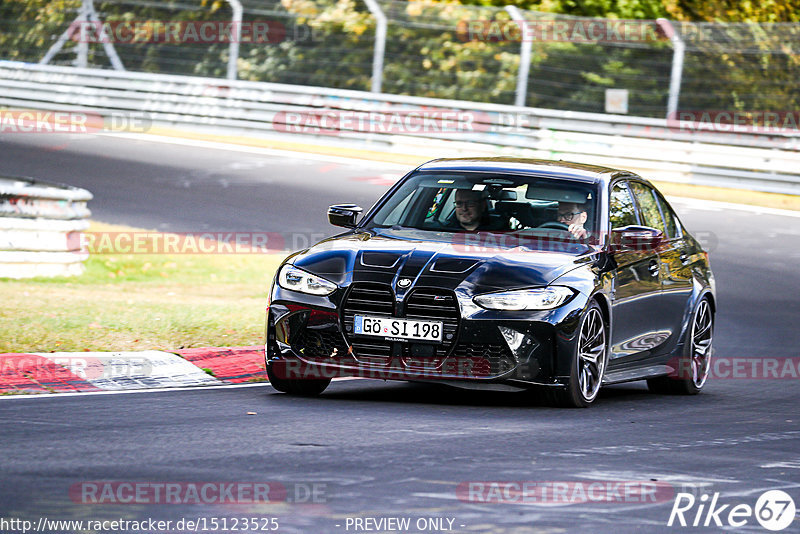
379 450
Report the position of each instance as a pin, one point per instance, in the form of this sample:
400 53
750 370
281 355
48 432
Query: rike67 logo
774 510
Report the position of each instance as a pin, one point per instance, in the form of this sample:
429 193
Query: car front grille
423 303
370 299
432 304
438 305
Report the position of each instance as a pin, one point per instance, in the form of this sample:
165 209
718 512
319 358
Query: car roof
542 167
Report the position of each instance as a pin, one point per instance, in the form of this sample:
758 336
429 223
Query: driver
470 209
574 216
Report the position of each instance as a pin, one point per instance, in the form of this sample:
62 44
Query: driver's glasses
466 204
568 216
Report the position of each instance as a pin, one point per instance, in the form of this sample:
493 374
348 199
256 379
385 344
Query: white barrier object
40 225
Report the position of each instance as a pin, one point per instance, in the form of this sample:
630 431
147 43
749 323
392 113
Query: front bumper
308 337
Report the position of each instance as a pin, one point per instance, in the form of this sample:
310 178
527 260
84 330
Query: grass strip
140 302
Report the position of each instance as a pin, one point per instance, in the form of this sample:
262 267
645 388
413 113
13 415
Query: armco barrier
39 228
743 160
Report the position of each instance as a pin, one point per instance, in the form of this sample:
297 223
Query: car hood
477 262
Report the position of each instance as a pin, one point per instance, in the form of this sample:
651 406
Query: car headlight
297 279
540 298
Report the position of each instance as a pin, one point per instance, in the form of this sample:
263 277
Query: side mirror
640 238
344 215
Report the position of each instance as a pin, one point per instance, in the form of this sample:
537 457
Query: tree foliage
330 43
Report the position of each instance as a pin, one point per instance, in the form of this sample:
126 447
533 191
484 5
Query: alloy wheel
702 334
591 354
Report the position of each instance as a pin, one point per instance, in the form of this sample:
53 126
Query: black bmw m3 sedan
499 273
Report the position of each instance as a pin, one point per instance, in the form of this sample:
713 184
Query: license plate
398 328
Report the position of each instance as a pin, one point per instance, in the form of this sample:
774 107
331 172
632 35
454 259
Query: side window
648 206
670 219
621 210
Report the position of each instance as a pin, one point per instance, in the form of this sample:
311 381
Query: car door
669 266
636 287
676 273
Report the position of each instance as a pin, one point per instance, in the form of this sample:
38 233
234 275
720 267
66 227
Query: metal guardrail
651 146
40 225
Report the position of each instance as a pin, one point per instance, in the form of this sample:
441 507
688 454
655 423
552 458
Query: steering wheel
555 225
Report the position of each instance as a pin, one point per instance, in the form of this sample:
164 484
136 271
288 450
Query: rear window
622 211
648 206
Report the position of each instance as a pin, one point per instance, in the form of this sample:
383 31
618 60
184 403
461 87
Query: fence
652 146
39 228
439 50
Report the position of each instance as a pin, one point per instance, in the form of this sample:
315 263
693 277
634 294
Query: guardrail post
679 48
78 23
380 45
524 55
233 51
86 14
83 39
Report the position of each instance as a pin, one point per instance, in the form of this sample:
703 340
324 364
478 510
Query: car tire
695 360
296 386
588 362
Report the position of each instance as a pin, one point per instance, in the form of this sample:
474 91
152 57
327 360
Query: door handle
684 258
653 267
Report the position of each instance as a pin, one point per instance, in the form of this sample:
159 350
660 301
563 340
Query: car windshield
490 202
